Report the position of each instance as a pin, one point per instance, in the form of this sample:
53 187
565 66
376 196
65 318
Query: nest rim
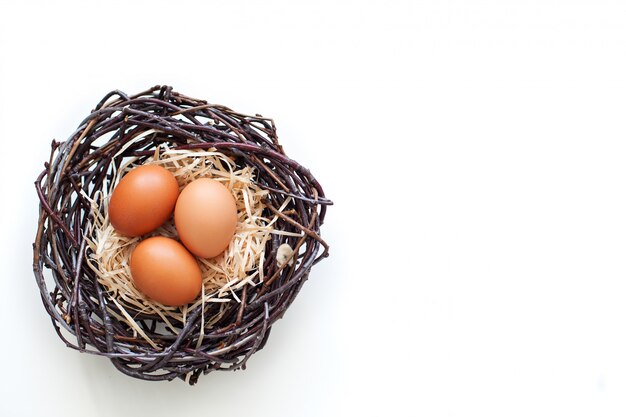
80 166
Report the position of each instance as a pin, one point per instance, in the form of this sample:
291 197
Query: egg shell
143 200
205 217
165 271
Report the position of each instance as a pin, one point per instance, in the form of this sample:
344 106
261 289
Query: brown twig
86 162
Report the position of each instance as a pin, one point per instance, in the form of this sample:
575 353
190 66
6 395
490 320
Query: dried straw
222 276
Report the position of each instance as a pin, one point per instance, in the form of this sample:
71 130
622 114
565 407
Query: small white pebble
283 254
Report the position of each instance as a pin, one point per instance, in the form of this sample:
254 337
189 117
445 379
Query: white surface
475 151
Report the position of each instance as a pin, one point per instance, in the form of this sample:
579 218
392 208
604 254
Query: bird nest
81 263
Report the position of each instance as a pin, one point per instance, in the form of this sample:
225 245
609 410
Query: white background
475 151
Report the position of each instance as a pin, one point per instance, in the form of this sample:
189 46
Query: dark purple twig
85 164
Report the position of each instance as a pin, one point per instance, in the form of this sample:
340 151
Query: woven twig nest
81 265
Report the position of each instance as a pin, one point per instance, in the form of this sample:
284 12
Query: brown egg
205 217
165 271
143 200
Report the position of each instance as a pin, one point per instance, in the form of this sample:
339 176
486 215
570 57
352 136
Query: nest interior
124 130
